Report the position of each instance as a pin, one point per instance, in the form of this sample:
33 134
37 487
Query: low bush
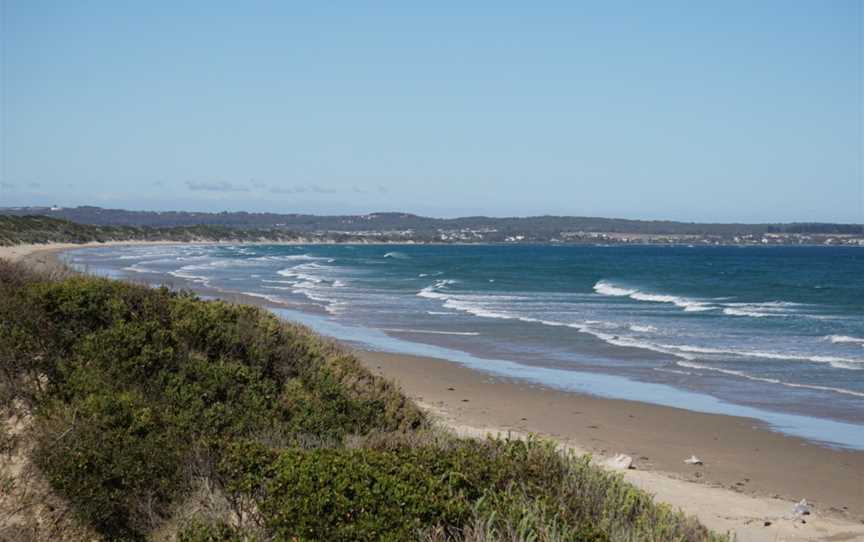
113 457
452 489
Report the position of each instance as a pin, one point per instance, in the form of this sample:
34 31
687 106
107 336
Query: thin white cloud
314 188
215 186
287 189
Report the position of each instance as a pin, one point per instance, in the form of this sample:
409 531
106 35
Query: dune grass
160 416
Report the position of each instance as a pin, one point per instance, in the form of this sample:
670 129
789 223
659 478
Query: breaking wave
741 374
501 307
845 339
765 309
834 361
432 332
305 279
690 305
184 273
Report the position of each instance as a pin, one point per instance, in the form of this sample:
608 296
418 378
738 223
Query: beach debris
801 509
693 460
620 462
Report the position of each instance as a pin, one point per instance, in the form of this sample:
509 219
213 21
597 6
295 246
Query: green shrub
219 400
114 458
357 495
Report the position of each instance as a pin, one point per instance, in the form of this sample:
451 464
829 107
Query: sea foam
762 309
742 374
845 339
688 304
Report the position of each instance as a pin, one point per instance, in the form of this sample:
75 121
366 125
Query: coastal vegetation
142 413
15 230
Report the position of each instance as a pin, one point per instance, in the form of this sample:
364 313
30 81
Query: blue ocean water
776 329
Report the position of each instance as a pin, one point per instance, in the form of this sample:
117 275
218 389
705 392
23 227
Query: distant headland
93 223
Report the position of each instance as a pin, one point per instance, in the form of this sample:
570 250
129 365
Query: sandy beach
43 254
748 484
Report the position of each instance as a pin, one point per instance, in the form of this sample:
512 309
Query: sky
698 111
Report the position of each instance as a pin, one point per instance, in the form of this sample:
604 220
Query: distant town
390 227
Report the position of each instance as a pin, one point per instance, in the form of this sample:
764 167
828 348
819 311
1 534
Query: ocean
774 333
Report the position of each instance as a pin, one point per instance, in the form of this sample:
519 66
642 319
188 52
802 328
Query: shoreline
751 474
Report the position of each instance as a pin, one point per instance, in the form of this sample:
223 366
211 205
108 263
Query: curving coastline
737 449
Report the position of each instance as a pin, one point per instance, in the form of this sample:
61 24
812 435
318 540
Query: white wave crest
765 309
845 339
431 291
432 332
184 273
312 293
490 306
484 306
752 310
296 257
834 361
605 288
137 268
270 298
741 374
690 305
292 272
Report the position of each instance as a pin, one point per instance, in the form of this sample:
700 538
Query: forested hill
534 227
16 230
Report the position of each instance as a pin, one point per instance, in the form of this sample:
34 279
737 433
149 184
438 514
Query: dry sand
748 484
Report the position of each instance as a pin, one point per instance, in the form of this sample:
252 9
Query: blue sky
702 111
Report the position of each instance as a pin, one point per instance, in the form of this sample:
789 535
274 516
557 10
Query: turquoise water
777 330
